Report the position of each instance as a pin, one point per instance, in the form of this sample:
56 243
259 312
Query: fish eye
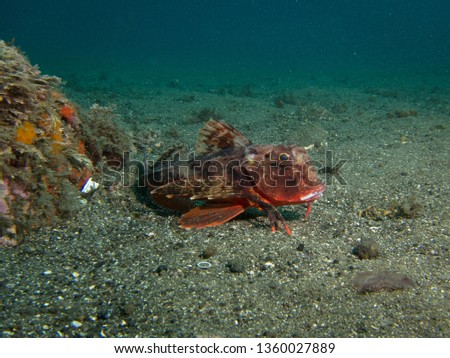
284 156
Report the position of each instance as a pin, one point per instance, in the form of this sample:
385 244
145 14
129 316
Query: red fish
230 174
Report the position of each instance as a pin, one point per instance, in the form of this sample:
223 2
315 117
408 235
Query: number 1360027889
295 347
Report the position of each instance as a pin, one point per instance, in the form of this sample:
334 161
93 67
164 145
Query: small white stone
75 274
83 201
47 272
76 324
269 265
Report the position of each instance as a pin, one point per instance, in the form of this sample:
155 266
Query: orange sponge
67 112
26 133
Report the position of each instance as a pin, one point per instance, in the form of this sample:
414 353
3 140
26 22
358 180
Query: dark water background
233 38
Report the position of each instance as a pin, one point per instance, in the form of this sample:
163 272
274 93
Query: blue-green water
233 38
361 83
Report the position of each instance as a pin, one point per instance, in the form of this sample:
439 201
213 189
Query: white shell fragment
90 186
204 265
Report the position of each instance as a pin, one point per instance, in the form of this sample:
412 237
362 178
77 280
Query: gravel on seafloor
120 268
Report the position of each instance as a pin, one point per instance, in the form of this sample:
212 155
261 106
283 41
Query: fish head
283 174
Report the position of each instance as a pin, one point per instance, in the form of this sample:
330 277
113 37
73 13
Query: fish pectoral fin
210 215
173 203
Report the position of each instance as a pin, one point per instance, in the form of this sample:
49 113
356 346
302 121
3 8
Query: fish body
230 174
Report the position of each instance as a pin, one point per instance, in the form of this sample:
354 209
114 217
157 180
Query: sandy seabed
121 268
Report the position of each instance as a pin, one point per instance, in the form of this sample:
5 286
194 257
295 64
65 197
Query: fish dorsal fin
217 135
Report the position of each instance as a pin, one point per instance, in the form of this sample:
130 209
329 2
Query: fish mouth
313 194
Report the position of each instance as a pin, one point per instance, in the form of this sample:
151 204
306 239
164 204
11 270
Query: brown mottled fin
176 188
217 135
173 195
176 204
210 215
210 191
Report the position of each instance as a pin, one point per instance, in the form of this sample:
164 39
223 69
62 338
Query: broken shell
90 186
204 265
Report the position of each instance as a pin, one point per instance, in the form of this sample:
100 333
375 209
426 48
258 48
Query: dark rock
104 313
210 251
301 246
382 281
236 266
366 249
161 268
127 309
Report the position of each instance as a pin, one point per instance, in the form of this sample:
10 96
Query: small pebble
76 324
366 249
83 201
128 309
161 268
301 246
105 313
210 251
236 266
